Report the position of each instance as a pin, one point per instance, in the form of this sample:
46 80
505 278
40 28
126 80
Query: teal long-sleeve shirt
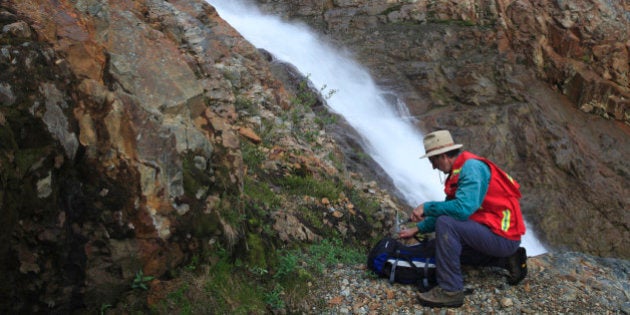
471 190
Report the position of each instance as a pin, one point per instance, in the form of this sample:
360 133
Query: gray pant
469 243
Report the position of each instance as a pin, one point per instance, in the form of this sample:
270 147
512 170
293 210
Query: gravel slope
568 283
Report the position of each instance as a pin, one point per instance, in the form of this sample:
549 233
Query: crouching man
480 222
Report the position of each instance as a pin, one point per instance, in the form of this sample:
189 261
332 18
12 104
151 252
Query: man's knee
443 222
445 229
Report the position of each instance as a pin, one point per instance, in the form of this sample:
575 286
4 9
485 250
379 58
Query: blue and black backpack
406 264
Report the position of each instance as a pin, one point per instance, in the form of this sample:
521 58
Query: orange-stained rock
249 134
70 33
390 294
337 300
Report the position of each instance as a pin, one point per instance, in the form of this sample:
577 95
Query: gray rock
18 29
7 98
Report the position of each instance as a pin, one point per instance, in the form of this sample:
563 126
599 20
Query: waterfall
389 135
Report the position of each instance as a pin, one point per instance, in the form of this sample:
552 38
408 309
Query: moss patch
256 254
309 186
205 224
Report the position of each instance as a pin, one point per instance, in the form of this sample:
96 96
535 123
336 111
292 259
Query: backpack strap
425 279
392 273
399 257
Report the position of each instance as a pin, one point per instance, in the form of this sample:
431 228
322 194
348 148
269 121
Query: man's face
440 162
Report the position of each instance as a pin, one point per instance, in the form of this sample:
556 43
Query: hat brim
442 150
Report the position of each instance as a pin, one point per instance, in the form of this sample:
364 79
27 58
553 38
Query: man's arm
472 187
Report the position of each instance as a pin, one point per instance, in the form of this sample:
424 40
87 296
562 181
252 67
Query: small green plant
310 135
308 98
312 217
328 94
326 119
230 209
287 264
268 131
370 275
310 186
193 263
231 289
243 104
274 299
252 156
260 194
258 270
367 204
317 257
140 281
362 156
178 297
332 252
305 96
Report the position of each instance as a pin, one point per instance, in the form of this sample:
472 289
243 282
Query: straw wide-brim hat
439 142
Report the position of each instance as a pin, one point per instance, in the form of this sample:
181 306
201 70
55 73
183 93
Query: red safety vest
500 210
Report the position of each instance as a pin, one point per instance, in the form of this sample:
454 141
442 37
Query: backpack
406 264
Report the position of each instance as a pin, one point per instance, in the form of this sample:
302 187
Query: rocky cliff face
138 135
540 87
580 48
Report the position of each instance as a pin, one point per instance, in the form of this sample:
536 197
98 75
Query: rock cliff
137 136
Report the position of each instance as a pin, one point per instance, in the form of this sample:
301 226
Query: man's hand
417 214
407 233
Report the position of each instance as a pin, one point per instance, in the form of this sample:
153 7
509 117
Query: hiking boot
438 297
517 266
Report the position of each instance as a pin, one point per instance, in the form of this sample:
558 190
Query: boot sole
439 304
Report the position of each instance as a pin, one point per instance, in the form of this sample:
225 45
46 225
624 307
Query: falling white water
389 136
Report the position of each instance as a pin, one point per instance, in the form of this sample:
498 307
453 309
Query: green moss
362 202
194 178
305 97
256 254
313 218
205 224
252 156
260 194
178 298
223 178
232 292
309 186
231 287
325 119
231 209
330 252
